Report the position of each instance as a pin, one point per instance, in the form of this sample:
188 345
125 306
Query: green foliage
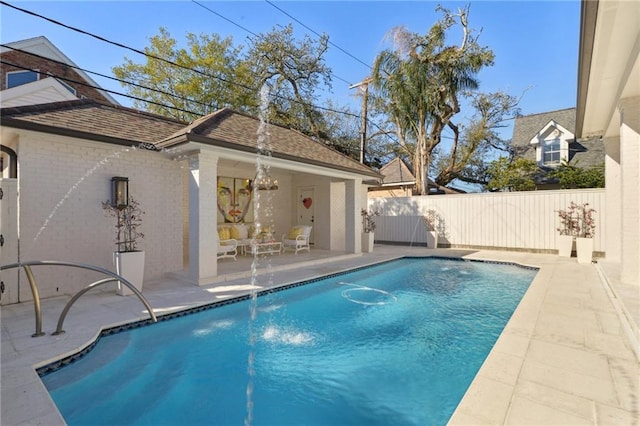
570 176
516 175
211 73
190 93
419 83
295 70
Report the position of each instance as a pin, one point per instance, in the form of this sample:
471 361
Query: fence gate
8 240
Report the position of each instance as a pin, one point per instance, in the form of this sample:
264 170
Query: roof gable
551 129
397 172
41 91
41 46
236 130
527 126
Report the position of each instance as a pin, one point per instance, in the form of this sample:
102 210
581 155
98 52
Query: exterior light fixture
119 192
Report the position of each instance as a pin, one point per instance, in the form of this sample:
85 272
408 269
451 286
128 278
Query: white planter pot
367 242
565 245
584 249
130 266
432 239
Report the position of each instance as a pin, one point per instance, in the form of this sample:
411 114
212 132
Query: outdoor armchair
297 239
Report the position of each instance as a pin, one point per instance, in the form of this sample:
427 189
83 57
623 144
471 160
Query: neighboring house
549 139
67 153
399 181
608 107
27 75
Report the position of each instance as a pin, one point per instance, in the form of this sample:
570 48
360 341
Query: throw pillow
234 233
294 233
224 234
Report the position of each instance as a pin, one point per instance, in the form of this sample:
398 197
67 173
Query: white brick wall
63 182
630 165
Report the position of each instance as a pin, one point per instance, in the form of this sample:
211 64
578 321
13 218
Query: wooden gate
9 290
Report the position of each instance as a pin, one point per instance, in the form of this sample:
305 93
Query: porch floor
563 358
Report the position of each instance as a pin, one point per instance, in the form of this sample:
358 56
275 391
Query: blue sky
535 43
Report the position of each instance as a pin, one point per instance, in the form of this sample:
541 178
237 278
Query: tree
571 176
178 82
467 158
421 80
293 70
516 175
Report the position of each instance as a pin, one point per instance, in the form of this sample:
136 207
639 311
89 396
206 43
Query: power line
98 88
257 35
166 61
215 106
319 35
252 89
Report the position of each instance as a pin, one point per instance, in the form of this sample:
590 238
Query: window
551 151
69 88
18 78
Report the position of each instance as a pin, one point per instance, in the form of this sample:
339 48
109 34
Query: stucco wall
63 182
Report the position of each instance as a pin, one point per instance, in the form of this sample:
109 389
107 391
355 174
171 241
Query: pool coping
61 362
504 391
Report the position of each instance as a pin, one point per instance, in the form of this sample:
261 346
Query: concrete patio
565 356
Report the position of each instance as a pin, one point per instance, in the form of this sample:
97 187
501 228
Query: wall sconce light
119 192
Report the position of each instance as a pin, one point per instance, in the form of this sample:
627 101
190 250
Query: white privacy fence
514 220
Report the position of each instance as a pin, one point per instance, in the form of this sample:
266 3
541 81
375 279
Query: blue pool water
393 344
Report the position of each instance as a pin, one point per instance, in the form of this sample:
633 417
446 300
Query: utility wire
166 61
319 35
257 35
110 78
225 18
99 88
252 89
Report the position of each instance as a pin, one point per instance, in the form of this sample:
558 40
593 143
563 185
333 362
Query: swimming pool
396 343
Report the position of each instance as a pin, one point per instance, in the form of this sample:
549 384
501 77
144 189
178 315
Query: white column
630 200
353 204
613 191
203 167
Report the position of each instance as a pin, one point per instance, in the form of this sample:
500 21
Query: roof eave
194 137
588 18
43 128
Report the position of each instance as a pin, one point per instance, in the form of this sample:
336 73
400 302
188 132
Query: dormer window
18 78
552 144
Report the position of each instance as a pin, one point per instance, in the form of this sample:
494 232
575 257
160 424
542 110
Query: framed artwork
234 199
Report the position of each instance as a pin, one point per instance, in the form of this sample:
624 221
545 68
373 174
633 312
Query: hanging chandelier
264 181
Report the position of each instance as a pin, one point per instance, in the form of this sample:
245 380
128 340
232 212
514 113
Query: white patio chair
227 249
297 239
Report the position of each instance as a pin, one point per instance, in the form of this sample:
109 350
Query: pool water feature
396 343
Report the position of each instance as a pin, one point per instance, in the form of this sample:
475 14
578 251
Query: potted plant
586 230
129 261
577 223
432 220
368 228
567 230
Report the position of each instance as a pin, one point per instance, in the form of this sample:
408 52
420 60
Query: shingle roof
239 131
92 120
582 152
396 171
528 126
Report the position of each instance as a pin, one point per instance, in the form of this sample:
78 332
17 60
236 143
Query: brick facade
63 182
47 68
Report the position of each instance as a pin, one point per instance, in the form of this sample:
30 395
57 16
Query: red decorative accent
307 202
